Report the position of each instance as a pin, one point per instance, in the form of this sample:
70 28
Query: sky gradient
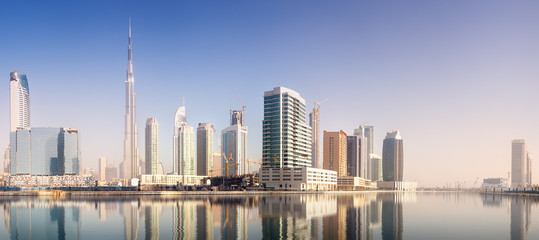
459 79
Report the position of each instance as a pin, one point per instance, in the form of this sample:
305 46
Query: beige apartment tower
335 152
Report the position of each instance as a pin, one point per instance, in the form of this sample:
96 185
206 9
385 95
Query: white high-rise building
367 135
286 137
19 101
184 145
234 144
102 168
152 146
519 163
205 132
130 166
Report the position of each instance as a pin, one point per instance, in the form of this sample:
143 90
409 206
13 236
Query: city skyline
495 76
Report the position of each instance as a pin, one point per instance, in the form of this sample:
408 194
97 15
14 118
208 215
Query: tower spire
130 57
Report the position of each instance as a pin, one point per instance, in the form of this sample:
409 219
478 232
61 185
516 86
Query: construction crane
249 161
317 103
243 107
227 158
475 183
226 168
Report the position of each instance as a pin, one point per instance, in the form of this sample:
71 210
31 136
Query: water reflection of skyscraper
520 217
392 219
151 221
130 211
42 221
292 216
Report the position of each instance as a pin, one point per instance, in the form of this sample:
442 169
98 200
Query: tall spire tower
130 168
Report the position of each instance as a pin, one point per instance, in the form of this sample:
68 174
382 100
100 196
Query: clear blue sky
458 78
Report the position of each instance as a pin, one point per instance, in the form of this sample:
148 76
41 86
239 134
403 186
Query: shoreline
63 193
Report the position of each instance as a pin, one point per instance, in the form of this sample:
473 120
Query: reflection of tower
151 222
298 217
7 216
204 221
520 217
102 212
392 220
131 219
27 221
229 229
183 220
356 218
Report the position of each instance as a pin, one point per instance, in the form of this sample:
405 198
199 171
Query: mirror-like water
368 215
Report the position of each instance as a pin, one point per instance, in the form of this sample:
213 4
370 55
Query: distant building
530 173
351 183
19 93
186 180
495 183
237 117
217 161
205 133
393 157
45 151
314 122
102 167
111 172
376 167
520 174
184 145
152 147
335 153
356 156
368 133
234 146
7 160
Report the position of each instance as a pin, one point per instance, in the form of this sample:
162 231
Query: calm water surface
286 216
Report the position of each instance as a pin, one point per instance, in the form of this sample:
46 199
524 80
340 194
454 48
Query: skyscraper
184 144
356 156
393 157
19 93
234 144
529 165
45 151
152 146
7 160
131 152
102 168
286 136
314 122
237 117
368 133
335 152
519 163
376 167
205 132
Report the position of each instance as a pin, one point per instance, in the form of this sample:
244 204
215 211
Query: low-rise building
185 180
50 181
397 185
303 178
353 183
495 183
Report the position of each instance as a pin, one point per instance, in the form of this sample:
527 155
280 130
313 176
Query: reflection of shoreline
361 215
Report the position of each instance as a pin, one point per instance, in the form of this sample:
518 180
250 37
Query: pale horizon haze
458 79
